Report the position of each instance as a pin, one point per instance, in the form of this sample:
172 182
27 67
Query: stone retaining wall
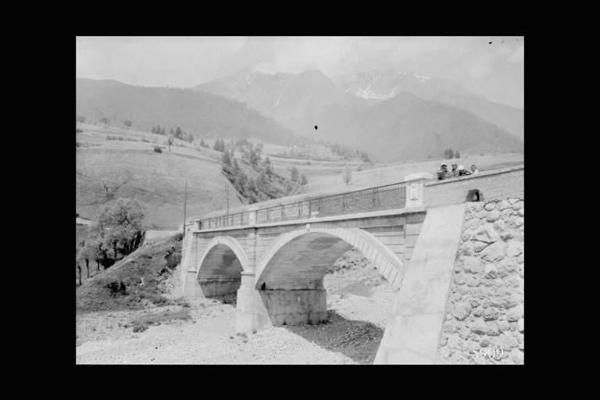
484 321
493 185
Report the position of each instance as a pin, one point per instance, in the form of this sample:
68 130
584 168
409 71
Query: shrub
157 149
116 288
140 327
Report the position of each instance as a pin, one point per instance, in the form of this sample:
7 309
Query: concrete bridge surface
274 255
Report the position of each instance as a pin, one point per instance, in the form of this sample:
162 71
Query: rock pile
484 321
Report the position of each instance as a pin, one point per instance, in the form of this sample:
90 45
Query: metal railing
372 199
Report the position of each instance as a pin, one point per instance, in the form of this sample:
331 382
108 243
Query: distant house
83 221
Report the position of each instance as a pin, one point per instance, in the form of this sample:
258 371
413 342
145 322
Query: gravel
359 303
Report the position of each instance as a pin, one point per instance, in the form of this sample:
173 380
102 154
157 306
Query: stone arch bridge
274 256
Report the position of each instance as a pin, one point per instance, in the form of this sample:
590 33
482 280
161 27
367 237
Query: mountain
406 127
201 113
294 100
378 85
394 116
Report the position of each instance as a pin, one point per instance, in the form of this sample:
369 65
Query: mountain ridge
203 114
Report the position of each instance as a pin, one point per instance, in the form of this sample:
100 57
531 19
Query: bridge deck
505 181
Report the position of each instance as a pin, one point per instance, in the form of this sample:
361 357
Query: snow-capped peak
421 78
369 94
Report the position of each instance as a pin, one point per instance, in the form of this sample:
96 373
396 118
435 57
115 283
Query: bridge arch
221 266
289 277
297 249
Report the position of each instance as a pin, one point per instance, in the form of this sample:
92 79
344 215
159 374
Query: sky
488 66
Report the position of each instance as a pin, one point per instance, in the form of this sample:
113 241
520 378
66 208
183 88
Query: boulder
494 252
453 342
479 327
504 204
517 222
450 326
492 329
486 233
490 271
467 248
490 314
504 326
507 342
461 310
514 248
473 265
515 313
493 216
472 281
459 279
479 246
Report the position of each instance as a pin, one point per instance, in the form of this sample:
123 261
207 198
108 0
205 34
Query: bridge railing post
415 189
252 215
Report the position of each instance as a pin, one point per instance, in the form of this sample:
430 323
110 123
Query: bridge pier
251 314
295 307
261 309
216 286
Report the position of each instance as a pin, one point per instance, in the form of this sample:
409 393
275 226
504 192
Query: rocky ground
202 332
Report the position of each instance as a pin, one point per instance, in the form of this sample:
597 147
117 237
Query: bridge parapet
405 194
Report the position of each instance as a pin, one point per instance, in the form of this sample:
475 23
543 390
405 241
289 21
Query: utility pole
184 206
227 190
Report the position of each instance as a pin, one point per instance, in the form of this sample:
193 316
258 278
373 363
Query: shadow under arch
289 277
221 266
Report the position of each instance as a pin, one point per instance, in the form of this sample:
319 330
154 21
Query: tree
219 145
170 141
80 118
127 123
178 133
268 167
295 175
91 251
448 153
254 157
120 226
82 257
104 120
456 154
303 180
365 158
347 176
226 158
79 269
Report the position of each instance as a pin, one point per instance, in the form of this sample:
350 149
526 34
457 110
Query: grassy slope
148 263
155 179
